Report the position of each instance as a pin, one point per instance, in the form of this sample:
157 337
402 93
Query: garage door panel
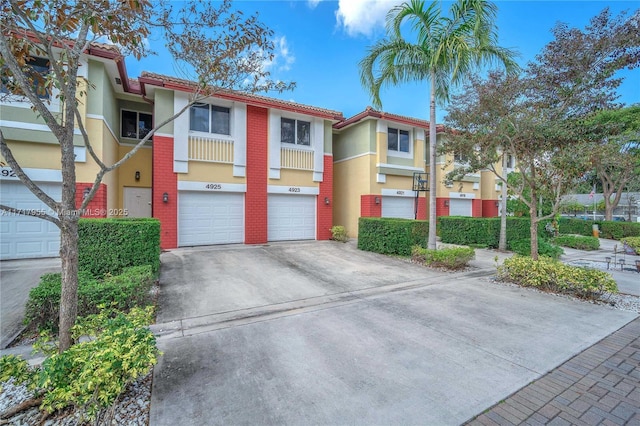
398 207
26 237
206 218
291 217
460 207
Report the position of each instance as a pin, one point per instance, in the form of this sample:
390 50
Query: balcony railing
299 159
210 150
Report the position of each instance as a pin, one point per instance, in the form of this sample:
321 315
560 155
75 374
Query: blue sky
319 44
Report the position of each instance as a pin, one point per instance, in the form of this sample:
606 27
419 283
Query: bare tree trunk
69 296
533 230
431 243
502 244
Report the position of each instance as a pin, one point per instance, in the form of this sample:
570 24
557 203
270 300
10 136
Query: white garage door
459 207
206 218
291 217
24 237
401 207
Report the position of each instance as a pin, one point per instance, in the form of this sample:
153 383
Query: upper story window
511 161
135 125
398 140
39 69
210 119
460 158
296 132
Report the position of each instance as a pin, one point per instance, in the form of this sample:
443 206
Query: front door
137 202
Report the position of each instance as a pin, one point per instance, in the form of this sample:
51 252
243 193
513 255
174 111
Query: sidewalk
600 385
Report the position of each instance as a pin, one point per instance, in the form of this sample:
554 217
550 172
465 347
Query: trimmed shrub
107 246
523 248
575 226
391 236
449 258
552 275
123 292
633 242
338 233
484 231
608 229
578 242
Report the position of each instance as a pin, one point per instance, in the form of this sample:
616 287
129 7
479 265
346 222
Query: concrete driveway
17 278
321 333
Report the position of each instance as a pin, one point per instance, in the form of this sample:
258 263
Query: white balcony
298 159
210 150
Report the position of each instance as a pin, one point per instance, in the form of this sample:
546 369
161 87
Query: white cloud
363 16
283 58
313 3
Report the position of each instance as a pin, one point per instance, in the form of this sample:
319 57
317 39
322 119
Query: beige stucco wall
351 180
200 171
291 177
142 162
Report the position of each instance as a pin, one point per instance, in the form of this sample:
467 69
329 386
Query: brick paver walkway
599 386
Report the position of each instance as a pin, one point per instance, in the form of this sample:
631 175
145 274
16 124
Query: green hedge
449 257
124 291
577 242
523 248
110 245
484 231
391 236
608 229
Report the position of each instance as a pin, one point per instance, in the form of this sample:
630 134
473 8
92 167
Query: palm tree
446 50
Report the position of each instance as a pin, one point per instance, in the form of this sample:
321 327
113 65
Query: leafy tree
542 117
223 48
447 48
616 157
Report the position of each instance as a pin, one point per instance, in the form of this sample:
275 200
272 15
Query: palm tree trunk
431 243
502 244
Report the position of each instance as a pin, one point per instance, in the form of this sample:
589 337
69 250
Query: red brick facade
422 208
325 212
368 206
165 181
441 208
476 207
490 208
97 207
255 214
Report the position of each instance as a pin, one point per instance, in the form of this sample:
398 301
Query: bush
633 242
92 374
124 291
449 258
338 233
107 246
552 275
484 231
523 248
608 229
391 236
578 242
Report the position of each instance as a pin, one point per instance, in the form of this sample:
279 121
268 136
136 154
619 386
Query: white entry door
291 217
400 207
459 207
25 237
206 218
137 201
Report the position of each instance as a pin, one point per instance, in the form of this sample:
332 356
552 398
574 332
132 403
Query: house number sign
213 186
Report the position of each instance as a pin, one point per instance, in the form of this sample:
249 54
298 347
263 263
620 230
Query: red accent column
476 207
97 207
368 206
489 208
324 211
165 180
422 208
255 212
441 209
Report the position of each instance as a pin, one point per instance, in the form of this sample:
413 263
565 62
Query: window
135 125
296 132
210 119
39 70
460 158
398 140
511 161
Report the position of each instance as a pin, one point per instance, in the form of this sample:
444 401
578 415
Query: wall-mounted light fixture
446 203
377 200
137 175
165 197
327 201
497 203
86 193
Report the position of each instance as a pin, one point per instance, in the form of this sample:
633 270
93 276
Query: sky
320 42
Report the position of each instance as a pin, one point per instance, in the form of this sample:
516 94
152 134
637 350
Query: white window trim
137 112
52 102
296 117
400 154
229 137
